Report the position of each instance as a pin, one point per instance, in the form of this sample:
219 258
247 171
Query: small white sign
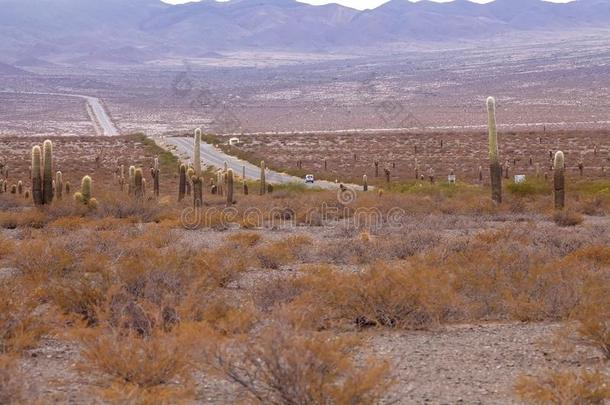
520 178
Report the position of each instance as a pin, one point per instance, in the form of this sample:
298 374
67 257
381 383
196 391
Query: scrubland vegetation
280 299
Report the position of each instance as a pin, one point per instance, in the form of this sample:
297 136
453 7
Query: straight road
102 122
212 156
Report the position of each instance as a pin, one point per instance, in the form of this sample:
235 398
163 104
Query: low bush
565 388
281 366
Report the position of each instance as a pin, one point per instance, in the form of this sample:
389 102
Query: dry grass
565 388
281 366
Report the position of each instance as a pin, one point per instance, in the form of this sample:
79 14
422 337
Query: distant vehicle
234 142
309 178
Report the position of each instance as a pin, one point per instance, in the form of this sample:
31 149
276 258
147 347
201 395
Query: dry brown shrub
20 327
150 370
282 366
592 316
32 218
565 388
567 218
277 254
244 239
12 382
399 296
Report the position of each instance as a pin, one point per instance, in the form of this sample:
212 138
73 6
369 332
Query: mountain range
45 32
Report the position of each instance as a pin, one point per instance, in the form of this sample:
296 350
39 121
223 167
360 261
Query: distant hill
134 31
8 70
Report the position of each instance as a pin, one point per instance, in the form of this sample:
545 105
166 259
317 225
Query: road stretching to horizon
212 156
100 118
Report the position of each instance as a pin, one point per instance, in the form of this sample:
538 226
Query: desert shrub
20 328
592 316
137 370
244 239
531 187
412 243
565 388
283 367
12 382
382 295
26 218
567 218
277 254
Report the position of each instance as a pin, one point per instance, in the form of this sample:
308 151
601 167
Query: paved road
102 122
212 156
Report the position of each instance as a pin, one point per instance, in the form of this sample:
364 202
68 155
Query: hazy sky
359 4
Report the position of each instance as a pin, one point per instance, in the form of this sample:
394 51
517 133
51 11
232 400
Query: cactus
84 195
263 184
20 187
494 163
182 182
365 183
197 153
67 187
36 178
138 189
59 185
132 179
481 174
1 186
189 182
376 168
197 191
26 195
230 200
559 180
386 171
47 173
13 189
155 175
122 178
243 178
416 169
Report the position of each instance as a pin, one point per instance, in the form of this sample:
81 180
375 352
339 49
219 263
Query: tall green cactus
132 180
182 182
197 153
59 185
263 188
197 191
230 199
494 162
155 176
243 178
138 183
47 174
19 187
365 183
86 190
189 182
559 180
36 176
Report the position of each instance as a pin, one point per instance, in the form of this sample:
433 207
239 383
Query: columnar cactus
494 162
230 200
67 187
47 174
155 176
197 153
132 180
138 189
20 187
36 176
243 178
84 195
122 177
416 169
559 180
263 189
376 168
189 182
387 174
59 185
365 183
197 191
182 182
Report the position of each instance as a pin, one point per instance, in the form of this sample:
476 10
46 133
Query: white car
309 179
